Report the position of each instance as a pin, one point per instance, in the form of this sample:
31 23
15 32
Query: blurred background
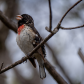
62 50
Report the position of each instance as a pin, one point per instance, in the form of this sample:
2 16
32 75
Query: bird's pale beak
19 17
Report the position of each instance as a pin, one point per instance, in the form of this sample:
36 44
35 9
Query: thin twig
14 64
71 27
50 23
69 10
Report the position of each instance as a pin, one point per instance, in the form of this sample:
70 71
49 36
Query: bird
27 39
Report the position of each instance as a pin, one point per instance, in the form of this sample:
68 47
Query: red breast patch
20 29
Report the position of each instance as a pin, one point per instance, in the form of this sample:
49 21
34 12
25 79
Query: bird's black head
25 19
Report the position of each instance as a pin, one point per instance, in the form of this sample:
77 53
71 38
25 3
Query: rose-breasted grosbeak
28 38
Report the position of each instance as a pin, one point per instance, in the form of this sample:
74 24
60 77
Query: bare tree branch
71 27
54 74
9 23
69 10
81 54
50 23
49 67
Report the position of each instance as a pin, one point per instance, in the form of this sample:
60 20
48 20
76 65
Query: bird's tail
42 71
41 66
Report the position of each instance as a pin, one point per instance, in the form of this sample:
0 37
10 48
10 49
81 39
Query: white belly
24 40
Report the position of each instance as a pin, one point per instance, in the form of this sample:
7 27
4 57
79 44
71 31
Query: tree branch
50 23
9 23
71 27
69 10
54 74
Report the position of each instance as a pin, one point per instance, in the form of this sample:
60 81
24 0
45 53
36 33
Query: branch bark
71 27
69 10
9 23
54 74
50 10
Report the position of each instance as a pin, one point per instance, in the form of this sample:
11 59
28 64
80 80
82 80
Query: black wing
37 40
